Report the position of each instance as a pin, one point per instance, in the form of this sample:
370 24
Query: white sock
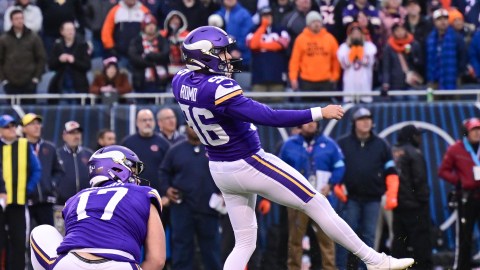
320 210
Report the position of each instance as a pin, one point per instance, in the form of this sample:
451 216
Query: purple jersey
215 107
110 217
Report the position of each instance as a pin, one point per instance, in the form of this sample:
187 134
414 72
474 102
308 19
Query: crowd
359 173
362 44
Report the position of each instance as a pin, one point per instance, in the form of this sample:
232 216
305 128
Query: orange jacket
314 57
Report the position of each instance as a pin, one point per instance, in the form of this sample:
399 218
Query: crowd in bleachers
362 45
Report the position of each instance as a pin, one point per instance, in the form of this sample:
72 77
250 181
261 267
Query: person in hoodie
32 14
175 29
411 218
313 46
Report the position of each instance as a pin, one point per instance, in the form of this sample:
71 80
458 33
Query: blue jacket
185 168
325 154
474 53
446 64
75 165
238 25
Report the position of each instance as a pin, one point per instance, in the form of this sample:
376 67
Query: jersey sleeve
226 90
237 106
155 199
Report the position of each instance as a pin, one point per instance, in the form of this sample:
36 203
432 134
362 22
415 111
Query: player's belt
90 261
95 251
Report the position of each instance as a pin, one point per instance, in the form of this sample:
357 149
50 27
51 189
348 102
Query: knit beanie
313 16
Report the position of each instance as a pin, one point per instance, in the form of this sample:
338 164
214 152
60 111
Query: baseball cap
5 120
361 113
29 117
471 123
411 130
265 10
440 13
71 126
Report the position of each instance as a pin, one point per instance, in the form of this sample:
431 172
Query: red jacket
457 166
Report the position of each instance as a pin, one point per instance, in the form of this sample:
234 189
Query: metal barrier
161 98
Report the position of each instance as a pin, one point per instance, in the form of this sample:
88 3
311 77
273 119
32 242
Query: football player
106 225
224 119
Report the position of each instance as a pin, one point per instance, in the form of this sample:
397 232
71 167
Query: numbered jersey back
204 100
110 217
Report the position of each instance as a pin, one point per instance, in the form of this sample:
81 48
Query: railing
161 98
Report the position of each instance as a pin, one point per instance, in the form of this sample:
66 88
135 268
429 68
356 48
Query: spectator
211 6
32 15
122 24
149 58
167 124
95 13
106 137
21 173
55 15
472 12
357 58
392 13
411 218
446 54
43 198
369 170
269 60
314 45
22 58
175 31
111 81
196 13
457 22
327 10
71 62
151 147
74 158
238 23
402 63
279 9
321 161
418 25
295 20
189 192
357 9
474 54
460 167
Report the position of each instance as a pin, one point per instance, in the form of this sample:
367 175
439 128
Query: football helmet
202 48
114 163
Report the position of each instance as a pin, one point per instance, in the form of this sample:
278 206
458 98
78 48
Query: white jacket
33 18
357 76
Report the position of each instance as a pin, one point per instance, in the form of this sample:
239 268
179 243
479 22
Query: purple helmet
202 47
115 163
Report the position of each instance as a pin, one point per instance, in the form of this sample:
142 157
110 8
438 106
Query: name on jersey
188 93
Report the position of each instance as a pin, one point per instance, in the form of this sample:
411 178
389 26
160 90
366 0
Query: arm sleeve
389 166
2 183
474 54
386 61
447 168
82 59
40 58
294 64
57 170
53 62
7 23
335 63
38 19
419 174
35 172
108 28
462 55
166 173
338 170
155 199
96 85
248 110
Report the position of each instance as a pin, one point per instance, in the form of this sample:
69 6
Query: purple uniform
215 107
110 217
